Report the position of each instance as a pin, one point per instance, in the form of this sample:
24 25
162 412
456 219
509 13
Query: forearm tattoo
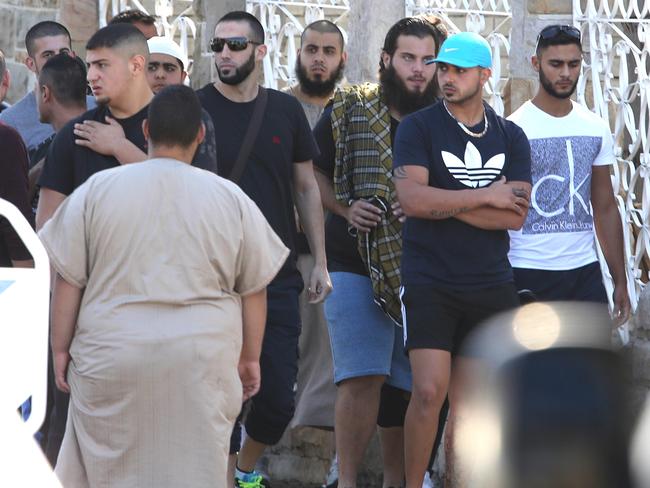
444 214
520 192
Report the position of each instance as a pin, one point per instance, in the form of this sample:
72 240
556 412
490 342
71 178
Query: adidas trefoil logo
473 172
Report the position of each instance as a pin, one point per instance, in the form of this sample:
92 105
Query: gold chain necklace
464 127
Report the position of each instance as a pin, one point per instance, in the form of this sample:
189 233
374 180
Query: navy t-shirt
284 139
450 253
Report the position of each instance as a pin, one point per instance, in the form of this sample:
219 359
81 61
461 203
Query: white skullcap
164 45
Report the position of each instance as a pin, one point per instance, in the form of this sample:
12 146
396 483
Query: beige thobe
164 252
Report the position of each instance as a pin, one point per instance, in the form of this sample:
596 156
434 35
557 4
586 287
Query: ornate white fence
180 27
283 21
616 85
490 18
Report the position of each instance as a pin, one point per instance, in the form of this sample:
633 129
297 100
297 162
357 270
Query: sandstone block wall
17 16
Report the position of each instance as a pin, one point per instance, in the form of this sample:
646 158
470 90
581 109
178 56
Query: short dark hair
419 27
66 78
47 28
115 36
324 27
240 16
174 116
439 28
559 35
132 16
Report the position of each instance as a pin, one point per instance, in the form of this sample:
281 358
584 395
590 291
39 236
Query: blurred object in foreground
546 404
24 312
640 449
21 461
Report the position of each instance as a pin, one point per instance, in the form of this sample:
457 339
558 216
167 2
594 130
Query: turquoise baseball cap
465 50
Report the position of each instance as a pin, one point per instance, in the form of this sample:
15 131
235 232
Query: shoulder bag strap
251 135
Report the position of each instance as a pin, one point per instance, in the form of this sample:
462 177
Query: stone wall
17 16
528 18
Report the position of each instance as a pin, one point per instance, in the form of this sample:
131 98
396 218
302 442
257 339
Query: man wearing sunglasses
277 174
553 255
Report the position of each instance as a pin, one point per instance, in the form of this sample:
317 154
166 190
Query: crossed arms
502 205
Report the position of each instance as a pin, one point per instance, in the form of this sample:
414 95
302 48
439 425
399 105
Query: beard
548 87
465 97
398 96
103 101
318 87
239 74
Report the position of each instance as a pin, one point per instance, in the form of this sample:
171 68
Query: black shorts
584 284
439 318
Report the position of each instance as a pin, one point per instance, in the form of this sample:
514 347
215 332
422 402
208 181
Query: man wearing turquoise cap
462 176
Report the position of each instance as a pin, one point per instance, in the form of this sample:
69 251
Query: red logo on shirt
276 140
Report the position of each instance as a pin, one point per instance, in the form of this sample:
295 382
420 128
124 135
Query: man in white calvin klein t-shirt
554 253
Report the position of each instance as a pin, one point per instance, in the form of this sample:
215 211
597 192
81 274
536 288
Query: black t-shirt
448 252
68 165
284 139
340 243
13 188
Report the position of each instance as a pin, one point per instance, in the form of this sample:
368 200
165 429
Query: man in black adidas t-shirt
117 58
462 176
278 169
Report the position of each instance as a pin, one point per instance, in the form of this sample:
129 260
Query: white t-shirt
559 233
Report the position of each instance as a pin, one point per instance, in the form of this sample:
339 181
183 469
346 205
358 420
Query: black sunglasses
552 31
234 43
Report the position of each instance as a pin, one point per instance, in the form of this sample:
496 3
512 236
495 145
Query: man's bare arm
254 323
360 214
310 211
66 299
490 218
418 199
108 139
326 190
48 201
609 231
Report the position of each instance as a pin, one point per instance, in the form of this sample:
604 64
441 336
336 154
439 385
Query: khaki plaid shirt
363 170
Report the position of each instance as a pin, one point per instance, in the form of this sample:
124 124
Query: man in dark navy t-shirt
462 176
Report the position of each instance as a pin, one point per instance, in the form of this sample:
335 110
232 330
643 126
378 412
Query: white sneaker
332 480
427 481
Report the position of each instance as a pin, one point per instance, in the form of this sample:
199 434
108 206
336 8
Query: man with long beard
363 243
277 175
319 67
554 255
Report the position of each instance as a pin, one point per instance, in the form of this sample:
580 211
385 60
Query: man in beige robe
158 311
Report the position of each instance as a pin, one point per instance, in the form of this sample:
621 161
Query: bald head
324 27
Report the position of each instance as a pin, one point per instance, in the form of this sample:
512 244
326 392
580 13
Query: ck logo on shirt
472 172
275 140
561 195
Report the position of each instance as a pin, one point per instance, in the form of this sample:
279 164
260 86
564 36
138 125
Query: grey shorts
364 340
